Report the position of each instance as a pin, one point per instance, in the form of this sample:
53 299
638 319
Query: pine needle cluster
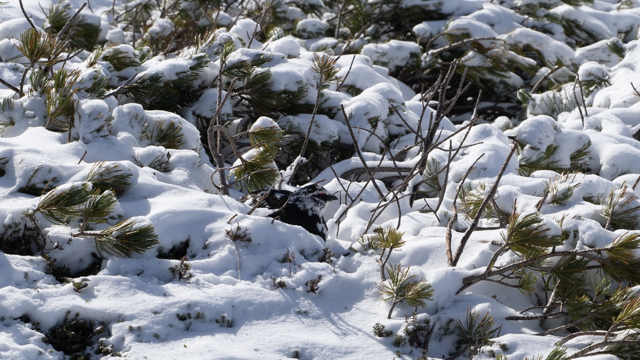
80 201
258 171
400 287
621 208
475 331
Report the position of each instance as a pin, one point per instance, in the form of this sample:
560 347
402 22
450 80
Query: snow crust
149 313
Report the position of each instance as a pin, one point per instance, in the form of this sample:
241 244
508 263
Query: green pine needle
527 235
431 187
476 330
272 138
540 162
389 238
99 206
61 205
624 263
399 287
621 208
560 190
256 173
35 45
166 133
557 354
119 59
126 238
111 176
471 198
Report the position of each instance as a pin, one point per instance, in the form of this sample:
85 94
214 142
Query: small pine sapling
431 186
224 321
471 199
289 257
182 270
560 189
278 284
79 284
40 183
165 133
399 340
235 235
380 330
160 163
256 170
124 238
475 332
327 256
313 284
388 240
399 288
418 332
72 336
110 176
621 208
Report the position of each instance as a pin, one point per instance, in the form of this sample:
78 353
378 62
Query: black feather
303 207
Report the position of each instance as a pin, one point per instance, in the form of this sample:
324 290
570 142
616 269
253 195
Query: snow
393 54
147 311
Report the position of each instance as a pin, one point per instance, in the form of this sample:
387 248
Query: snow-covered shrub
139 123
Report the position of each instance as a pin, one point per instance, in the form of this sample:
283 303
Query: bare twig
575 96
24 12
460 43
355 144
484 204
541 202
82 158
635 90
543 78
636 183
66 26
454 209
340 9
15 89
347 74
216 146
261 23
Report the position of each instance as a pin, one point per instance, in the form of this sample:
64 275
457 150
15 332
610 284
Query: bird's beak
326 196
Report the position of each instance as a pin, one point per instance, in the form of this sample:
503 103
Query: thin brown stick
261 23
454 209
82 158
216 146
347 74
24 12
585 351
340 9
460 43
543 78
15 89
568 325
310 127
575 96
484 204
355 144
540 203
66 26
635 90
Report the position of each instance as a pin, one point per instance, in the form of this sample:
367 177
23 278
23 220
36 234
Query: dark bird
303 207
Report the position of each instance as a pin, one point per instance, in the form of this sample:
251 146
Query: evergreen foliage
588 288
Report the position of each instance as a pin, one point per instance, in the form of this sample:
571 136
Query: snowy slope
243 299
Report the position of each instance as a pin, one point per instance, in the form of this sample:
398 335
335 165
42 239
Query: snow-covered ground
244 299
